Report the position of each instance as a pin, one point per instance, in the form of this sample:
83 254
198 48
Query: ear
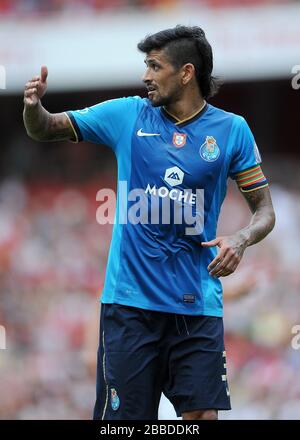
188 71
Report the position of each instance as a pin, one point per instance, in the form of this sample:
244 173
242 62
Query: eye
155 67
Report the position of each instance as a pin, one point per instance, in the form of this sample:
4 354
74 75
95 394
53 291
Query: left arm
233 247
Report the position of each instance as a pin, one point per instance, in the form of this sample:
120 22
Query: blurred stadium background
53 252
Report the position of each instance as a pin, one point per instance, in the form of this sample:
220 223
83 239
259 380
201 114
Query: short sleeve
104 123
245 161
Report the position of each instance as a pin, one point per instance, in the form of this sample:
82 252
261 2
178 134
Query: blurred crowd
52 265
24 7
52 262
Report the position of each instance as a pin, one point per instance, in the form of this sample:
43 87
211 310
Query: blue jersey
172 180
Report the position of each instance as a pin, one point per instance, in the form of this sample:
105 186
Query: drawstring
185 326
177 326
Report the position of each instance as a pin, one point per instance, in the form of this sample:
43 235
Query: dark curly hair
186 44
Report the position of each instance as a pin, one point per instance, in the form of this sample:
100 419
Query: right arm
39 123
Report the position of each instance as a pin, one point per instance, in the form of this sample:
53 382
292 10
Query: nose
146 76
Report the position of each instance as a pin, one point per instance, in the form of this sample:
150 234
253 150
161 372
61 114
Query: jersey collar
186 121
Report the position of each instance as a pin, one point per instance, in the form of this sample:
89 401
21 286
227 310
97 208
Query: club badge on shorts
179 139
209 150
114 399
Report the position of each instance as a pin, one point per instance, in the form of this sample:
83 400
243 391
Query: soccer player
161 324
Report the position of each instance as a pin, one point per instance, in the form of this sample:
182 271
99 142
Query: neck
185 108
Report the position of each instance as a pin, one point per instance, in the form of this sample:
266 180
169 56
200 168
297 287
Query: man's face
161 78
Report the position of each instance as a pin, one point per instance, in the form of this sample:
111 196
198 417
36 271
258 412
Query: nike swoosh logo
141 133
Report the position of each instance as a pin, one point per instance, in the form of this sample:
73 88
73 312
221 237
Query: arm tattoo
263 218
44 126
59 128
258 198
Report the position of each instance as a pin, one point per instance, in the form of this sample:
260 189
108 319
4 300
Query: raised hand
36 88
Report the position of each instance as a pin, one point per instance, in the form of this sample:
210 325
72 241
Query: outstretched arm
232 247
39 123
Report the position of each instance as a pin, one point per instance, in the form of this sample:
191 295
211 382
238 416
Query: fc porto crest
114 399
179 139
209 150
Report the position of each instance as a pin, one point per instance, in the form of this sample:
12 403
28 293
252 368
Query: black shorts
144 353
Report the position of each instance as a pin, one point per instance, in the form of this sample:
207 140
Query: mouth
151 90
